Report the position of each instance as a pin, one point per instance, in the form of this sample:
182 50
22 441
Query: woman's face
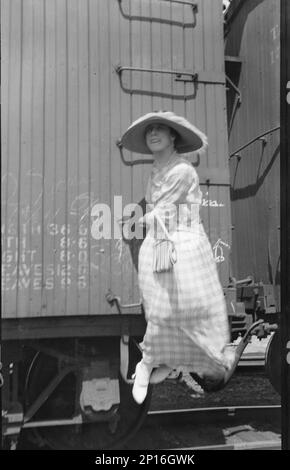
158 137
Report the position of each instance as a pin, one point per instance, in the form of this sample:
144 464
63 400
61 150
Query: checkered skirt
187 324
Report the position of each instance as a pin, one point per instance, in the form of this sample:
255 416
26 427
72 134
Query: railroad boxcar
253 107
75 74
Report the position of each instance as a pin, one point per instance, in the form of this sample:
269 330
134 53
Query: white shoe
142 377
160 374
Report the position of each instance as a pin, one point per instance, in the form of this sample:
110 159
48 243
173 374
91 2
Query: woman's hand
147 219
141 221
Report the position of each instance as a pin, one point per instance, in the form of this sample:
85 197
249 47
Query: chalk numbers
75 250
83 243
67 265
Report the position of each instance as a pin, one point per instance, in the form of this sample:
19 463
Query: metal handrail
259 137
114 299
194 6
193 76
237 90
134 162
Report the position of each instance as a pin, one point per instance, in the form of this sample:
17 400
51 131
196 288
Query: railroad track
214 428
204 415
267 444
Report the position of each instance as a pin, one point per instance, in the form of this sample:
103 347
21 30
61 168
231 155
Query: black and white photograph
145 228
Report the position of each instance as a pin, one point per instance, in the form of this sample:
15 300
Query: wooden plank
38 153
156 36
14 155
96 246
69 236
61 156
49 176
105 129
5 83
5 161
86 177
166 54
31 269
177 50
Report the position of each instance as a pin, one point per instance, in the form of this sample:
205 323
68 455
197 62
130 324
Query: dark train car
252 54
252 48
74 75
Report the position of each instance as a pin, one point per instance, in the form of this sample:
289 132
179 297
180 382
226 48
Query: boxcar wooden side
71 84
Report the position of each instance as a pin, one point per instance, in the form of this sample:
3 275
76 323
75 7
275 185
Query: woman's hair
175 134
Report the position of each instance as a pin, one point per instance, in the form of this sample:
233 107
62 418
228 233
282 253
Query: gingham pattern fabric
185 309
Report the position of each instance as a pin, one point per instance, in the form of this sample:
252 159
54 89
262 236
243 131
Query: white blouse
173 192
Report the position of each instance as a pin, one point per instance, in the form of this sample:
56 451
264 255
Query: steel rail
195 415
271 444
203 415
237 417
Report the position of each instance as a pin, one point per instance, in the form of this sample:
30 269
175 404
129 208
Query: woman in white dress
185 309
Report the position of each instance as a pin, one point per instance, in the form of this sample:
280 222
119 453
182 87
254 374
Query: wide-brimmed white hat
189 138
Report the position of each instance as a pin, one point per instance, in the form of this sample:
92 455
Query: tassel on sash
164 252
